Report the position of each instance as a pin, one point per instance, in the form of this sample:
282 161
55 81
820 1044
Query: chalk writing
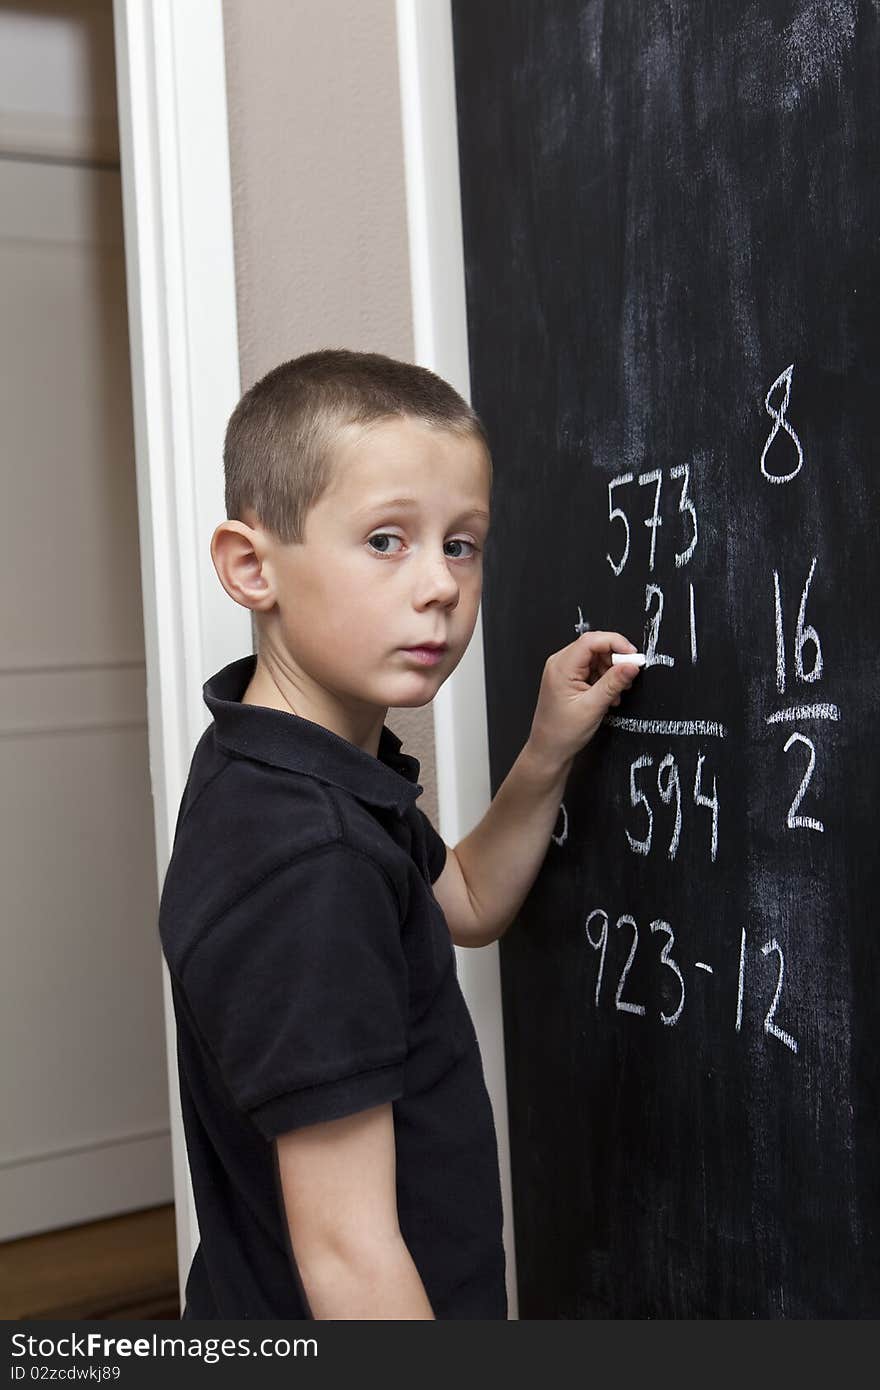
598 941
693 627
771 1028
769 1025
561 838
793 820
687 508
654 520
623 1005
581 626
652 628
711 802
783 381
671 786
599 945
638 798
687 512
669 789
666 959
617 513
805 634
706 728
666 792
798 712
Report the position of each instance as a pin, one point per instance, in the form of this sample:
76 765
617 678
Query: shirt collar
289 741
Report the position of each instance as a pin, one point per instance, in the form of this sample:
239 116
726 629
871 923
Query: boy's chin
414 701
412 694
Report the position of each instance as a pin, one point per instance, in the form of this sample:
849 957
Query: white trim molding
177 208
83 1182
430 140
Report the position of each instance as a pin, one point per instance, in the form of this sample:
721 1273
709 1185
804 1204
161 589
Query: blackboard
671 216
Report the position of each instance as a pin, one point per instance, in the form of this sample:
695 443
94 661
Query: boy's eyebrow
384 503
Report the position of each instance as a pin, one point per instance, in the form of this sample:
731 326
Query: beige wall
319 202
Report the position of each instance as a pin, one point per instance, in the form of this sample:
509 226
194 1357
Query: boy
338 1127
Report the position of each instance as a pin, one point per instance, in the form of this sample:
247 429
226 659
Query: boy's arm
338 1181
487 876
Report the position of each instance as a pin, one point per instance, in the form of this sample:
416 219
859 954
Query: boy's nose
437 580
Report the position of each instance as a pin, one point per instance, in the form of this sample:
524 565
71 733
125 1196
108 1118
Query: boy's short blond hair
278 451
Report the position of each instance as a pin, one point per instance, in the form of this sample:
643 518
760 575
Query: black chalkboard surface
671 221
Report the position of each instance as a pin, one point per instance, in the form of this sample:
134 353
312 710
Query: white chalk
627 658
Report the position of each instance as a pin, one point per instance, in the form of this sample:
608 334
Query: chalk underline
696 727
705 728
804 712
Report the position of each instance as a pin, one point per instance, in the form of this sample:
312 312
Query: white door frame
436 255
183 334
177 208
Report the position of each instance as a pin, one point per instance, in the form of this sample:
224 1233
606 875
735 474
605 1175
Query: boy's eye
380 542
460 540
383 536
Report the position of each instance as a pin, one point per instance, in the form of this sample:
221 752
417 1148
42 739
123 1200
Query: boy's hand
578 687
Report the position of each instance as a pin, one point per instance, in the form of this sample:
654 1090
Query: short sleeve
435 848
300 992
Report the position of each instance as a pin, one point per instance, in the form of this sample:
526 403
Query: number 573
617 516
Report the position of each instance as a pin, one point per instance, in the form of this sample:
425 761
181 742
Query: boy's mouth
428 654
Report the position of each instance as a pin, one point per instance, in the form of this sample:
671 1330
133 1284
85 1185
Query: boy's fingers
603 642
594 649
615 681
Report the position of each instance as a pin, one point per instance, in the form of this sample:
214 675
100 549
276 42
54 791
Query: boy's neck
273 689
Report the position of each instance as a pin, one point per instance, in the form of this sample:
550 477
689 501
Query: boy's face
392 558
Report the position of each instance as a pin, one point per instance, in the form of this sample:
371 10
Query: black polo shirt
313 976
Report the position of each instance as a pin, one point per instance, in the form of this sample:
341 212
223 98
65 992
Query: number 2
769 1026
620 1003
652 628
794 821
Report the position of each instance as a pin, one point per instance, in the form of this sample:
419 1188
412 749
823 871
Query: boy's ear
240 553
